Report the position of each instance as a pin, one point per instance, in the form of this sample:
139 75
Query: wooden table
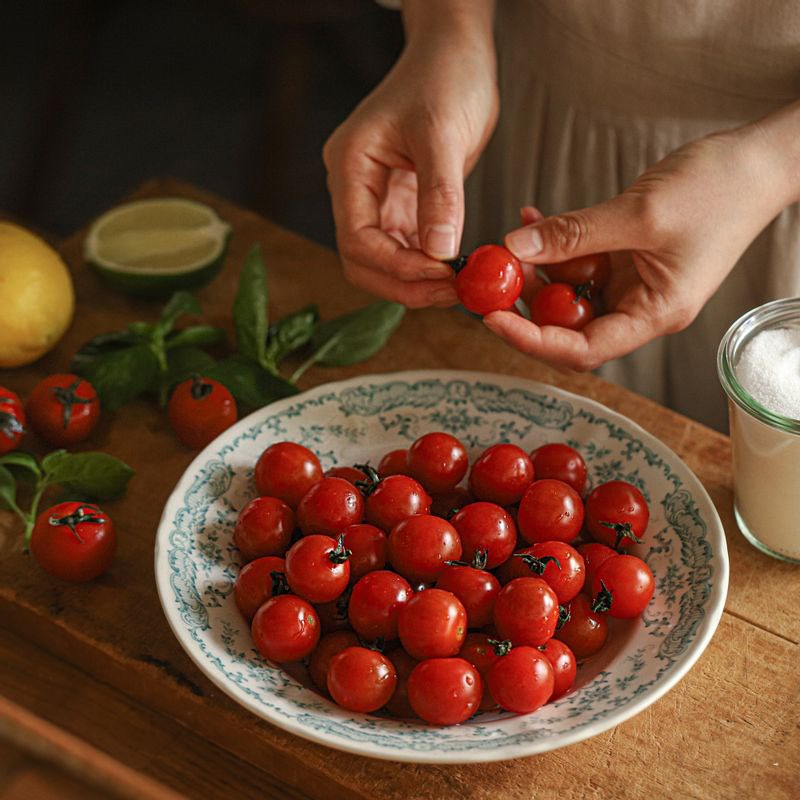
99 662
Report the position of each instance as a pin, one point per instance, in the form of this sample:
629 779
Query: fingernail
440 241
525 242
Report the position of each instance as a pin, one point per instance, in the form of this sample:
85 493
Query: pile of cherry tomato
404 590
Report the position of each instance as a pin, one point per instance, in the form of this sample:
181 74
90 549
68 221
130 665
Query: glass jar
766 445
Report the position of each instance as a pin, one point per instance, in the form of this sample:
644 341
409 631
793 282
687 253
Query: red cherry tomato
361 680
526 612
351 474
556 563
393 463
199 409
438 461
623 586
445 503
522 680
329 646
285 628
73 541
329 507
394 499
594 554
432 624
317 567
398 705
487 527
491 280
444 691
475 588
264 528
564 664
561 462
63 409
256 583
367 546
562 305
579 271
586 631
12 420
478 650
419 546
333 616
617 514
375 604
501 474
287 470
550 511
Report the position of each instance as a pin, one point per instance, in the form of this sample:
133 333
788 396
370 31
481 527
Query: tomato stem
279 583
9 424
479 560
624 530
583 291
564 616
340 553
201 388
604 599
66 395
501 648
536 564
370 484
458 263
78 517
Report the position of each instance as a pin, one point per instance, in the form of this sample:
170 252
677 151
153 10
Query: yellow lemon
36 296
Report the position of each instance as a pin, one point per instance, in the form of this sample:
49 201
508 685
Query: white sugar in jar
759 368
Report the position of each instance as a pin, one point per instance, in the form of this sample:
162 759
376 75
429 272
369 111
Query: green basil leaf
20 459
196 335
291 333
250 308
179 304
8 489
105 343
356 336
94 474
251 384
121 375
184 362
51 459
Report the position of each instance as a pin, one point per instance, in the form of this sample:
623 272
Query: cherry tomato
478 650
561 462
361 680
12 420
419 546
491 280
351 474
285 628
432 624
63 409
526 612
333 616
329 646
329 507
438 461
623 586
394 499
367 546
522 680
393 463
257 582
445 503
318 568
444 691
199 409
398 705
287 470
475 588
375 604
488 527
550 511
557 563
73 541
564 665
563 305
617 514
594 554
501 474
595 267
264 528
586 631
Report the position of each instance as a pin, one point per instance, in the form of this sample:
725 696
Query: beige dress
595 91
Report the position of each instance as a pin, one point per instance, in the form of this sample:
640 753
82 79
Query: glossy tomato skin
438 461
255 584
630 582
264 527
445 691
595 267
375 604
12 420
522 680
594 554
394 499
398 705
475 588
492 280
616 503
330 506
367 546
361 680
445 503
550 510
329 646
526 612
566 575
558 304
73 541
199 409
393 463
488 527
419 546
432 624
285 628
586 631
481 654
561 462
501 474
63 409
351 474
564 664
317 568
287 471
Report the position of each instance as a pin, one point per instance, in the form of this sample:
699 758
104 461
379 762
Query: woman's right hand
396 166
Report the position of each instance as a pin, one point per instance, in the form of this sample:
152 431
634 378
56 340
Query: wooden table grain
100 662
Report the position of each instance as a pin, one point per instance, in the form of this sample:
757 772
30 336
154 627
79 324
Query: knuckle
444 192
569 232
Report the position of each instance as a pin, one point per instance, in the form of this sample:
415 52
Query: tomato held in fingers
526 612
73 541
617 514
501 474
264 527
12 421
285 628
257 582
586 631
329 646
361 680
367 546
375 604
565 666
393 463
595 267
474 587
398 705
561 462
287 470
550 511
487 527
562 305
491 280
623 586
594 554
438 461
199 409
420 545
557 563
63 409
445 691
317 568
394 499
432 624
330 506
522 680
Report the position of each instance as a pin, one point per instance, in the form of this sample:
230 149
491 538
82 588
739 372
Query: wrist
457 24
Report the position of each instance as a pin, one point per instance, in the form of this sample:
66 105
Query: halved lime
153 247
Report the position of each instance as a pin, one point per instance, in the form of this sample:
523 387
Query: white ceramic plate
359 420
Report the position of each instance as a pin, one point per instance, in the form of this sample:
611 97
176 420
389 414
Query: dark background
237 96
